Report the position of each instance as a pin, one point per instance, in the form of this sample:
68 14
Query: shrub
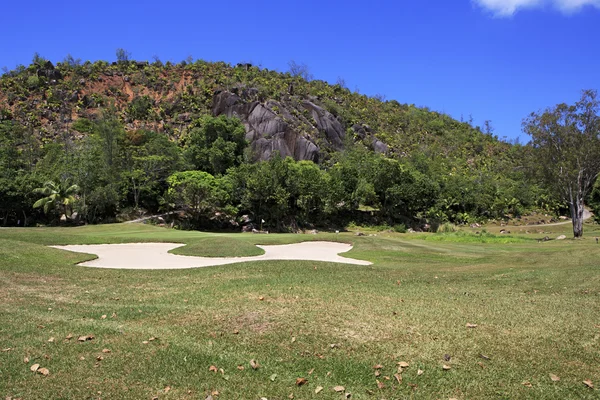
33 82
400 228
447 228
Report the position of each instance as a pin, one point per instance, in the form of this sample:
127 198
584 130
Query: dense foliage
141 136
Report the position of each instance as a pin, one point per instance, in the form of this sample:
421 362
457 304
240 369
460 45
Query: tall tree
215 144
566 146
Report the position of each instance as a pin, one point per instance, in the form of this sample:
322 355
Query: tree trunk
577 216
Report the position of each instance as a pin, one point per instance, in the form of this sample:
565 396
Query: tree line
207 174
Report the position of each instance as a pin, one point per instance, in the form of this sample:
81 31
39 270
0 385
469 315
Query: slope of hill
475 174
281 112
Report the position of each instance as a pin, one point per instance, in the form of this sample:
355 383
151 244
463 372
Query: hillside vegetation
221 141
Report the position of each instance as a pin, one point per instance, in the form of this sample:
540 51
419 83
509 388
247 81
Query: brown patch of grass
253 321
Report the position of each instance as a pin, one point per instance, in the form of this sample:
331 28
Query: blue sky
493 60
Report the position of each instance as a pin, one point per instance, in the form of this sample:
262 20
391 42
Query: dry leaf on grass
240 367
99 358
446 367
377 366
527 384
26 360
106 351
403 364
301 381
293 339
254 364
69 336
51 340
398 378
34 367
319 389
212 368
469 325
420 372
167 389
261 298
377 373
273 377
103 317
554 378
311 371
85 338
145 342
339 388
380 385
43 371
588 383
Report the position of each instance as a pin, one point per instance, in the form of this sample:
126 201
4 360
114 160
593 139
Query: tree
122 56
148 160
59 196
566 144
300 70
201 195
215 144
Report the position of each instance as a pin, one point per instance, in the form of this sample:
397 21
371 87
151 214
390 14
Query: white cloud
505 8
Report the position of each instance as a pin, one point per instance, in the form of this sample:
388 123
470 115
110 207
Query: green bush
447 228
400 228
33 82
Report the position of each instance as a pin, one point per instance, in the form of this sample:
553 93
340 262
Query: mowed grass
536 307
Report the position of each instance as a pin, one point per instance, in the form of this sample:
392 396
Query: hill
48 111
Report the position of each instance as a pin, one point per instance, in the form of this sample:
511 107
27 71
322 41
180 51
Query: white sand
156 256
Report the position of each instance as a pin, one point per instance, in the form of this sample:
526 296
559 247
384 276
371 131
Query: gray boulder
292 126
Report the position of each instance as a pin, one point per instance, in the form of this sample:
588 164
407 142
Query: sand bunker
156 256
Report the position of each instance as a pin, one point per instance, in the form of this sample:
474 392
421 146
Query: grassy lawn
536 307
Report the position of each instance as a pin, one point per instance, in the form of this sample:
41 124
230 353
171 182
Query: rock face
293 126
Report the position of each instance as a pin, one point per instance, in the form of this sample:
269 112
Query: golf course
467 315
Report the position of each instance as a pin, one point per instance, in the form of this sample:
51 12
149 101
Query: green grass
536 306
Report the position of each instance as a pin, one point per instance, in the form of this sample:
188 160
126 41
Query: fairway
473 316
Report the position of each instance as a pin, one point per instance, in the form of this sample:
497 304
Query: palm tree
59 196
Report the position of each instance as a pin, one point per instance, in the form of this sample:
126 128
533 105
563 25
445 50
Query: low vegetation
466 318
